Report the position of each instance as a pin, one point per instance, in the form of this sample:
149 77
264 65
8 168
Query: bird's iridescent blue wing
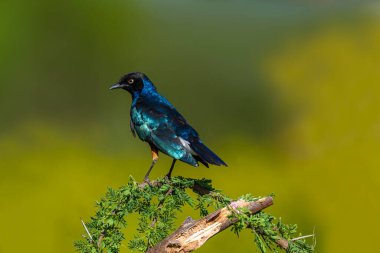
161 122
163 126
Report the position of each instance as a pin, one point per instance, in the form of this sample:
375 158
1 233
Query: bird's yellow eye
130 81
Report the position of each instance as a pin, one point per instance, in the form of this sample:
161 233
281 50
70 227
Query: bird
156 121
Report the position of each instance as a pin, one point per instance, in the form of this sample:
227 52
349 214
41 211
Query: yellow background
286 92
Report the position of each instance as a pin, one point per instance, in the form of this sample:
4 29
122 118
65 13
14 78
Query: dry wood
192 234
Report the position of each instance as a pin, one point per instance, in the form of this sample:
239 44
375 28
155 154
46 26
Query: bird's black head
132 82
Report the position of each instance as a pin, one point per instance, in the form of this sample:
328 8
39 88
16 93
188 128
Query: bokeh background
287 92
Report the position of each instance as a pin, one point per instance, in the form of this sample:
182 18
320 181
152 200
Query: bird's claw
168 177
147 181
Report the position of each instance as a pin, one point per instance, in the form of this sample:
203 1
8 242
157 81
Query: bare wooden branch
282 243
192 234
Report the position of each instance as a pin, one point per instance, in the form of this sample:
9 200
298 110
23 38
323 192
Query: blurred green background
286 92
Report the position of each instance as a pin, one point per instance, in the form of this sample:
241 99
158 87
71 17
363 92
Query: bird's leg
154 160
169 175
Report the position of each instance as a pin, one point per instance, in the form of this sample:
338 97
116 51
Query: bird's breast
141 126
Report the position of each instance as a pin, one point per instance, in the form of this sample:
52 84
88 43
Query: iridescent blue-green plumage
155 120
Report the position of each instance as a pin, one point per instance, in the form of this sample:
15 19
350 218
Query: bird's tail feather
199 159
206 154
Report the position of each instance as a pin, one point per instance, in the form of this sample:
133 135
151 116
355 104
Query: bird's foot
147 181
168 177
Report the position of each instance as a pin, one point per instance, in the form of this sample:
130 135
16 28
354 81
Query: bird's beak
116 86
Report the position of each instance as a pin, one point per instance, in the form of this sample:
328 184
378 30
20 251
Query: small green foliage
267 232
158 206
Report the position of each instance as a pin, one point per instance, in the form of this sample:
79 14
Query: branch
197 188
158 202
192 234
